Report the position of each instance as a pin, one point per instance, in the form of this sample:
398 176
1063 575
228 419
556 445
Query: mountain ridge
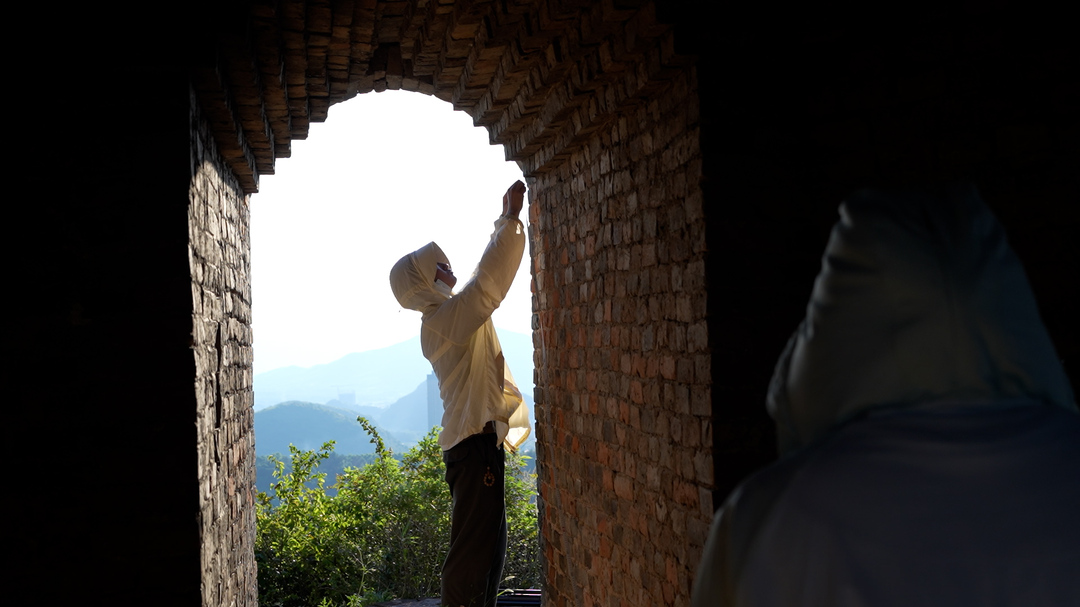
309 425
374 378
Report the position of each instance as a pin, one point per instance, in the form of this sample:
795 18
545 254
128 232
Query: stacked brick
602 116
520 68
622 360
218 253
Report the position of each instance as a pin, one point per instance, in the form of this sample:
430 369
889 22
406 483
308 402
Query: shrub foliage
384 534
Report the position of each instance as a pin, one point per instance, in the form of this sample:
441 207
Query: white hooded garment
459 340
929 438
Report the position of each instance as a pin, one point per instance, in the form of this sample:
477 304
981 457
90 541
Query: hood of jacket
920 299
412 279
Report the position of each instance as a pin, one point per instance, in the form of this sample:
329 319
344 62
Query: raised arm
465 312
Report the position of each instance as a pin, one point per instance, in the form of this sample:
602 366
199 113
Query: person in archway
483 411
929 437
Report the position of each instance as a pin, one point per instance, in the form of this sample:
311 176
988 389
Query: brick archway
600 113
541 77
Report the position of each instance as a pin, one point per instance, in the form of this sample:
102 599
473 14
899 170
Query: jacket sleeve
464 313
735 533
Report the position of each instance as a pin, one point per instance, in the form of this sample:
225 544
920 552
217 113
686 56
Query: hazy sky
385 174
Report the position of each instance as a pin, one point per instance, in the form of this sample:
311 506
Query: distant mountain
409 419
309 425
376 378
389 386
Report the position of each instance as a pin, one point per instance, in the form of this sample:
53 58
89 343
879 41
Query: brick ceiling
539 75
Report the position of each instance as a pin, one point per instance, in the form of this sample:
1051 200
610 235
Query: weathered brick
221 343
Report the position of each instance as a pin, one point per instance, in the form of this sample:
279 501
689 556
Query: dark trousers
473 567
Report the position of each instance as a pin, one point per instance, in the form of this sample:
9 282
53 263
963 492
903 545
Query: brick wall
219 254
622 359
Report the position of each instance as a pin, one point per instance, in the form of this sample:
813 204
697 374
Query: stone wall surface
602 116
623 403
219 255
97 361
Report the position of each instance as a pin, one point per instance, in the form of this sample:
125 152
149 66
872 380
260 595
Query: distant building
434 402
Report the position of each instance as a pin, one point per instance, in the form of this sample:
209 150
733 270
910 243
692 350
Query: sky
384 175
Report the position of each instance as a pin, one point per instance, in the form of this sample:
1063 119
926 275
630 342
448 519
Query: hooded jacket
929 438
459 340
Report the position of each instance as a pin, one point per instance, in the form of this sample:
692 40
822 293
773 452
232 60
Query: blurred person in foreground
929 437
483 412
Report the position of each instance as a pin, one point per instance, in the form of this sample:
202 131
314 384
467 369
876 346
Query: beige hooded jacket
457 337
929 436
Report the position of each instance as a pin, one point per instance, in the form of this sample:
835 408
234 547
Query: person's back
931 439
926 507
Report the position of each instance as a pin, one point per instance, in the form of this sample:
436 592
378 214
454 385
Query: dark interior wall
804 104
97 364
97 361
141 492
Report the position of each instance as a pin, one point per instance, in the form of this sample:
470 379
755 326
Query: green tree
522 568
383 535
305 548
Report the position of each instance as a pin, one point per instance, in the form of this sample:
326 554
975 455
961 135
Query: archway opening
389 173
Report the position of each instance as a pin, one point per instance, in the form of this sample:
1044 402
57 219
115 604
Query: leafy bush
334 466
522 569
383 535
